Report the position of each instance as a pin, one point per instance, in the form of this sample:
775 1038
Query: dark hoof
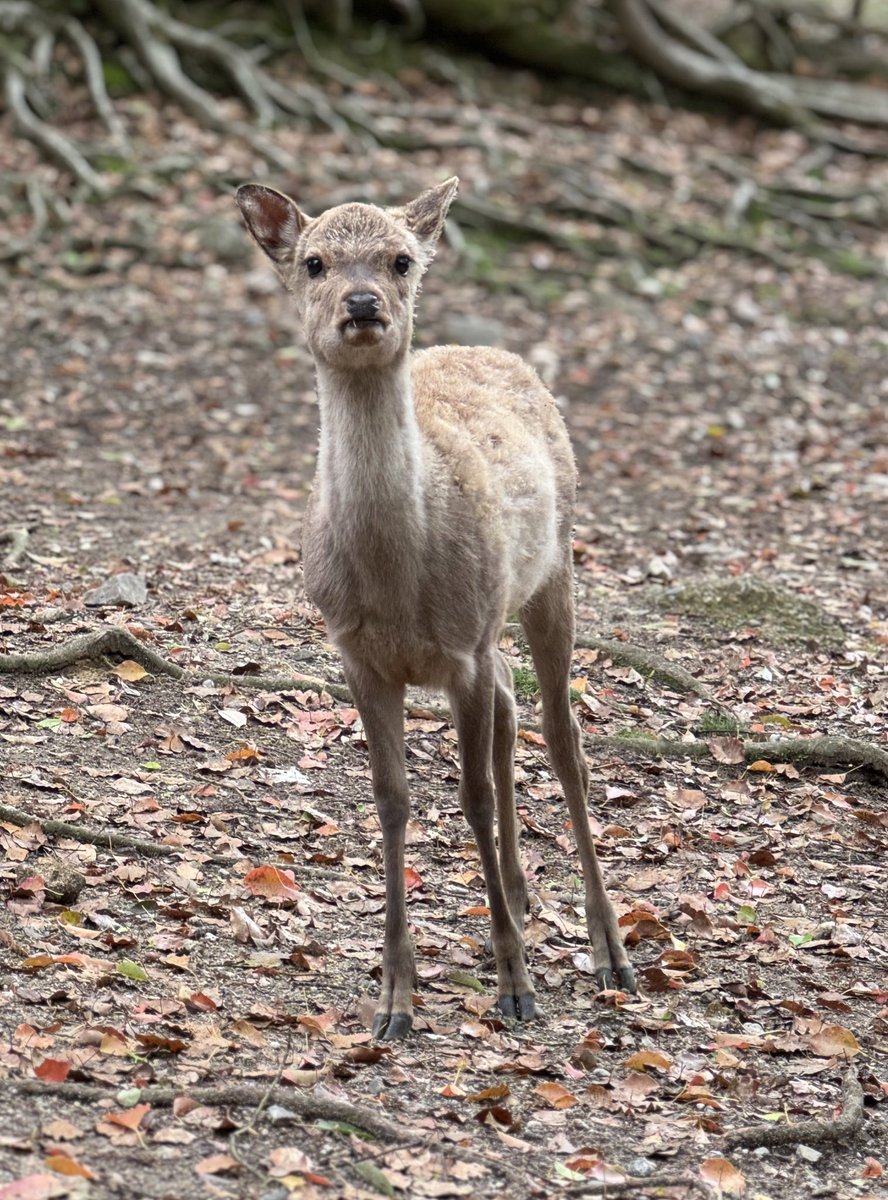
391 1027
627 980
623 980
518 1008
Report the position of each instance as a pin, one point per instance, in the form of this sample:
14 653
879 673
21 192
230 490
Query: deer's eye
402 264
314 266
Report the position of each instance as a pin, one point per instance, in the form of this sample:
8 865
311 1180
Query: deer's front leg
381 706
473 715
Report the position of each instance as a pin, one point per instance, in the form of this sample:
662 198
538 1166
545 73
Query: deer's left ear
425 215
274 220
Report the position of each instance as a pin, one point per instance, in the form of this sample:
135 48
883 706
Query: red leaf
271 883
53 1070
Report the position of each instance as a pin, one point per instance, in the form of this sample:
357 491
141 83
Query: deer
442 503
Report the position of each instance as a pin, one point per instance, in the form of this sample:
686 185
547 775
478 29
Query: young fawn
442 503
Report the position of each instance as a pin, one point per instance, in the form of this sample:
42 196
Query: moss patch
781 616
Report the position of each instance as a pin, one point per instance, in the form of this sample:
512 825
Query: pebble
126 589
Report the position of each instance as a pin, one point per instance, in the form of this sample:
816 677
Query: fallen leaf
271 883
129 670
556 1095
723 1175
834 1040
63 1164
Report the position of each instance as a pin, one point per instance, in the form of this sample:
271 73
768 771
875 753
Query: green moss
782 616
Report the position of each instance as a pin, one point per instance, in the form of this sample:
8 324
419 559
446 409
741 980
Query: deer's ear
273 219
425 215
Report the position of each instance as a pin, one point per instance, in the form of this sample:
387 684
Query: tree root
625 1187
786 99
306 1104
825 751
17 538
54 144
647 663
811 1133
112 840
115 642
91 837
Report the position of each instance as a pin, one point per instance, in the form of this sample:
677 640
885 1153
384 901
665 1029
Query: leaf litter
729 418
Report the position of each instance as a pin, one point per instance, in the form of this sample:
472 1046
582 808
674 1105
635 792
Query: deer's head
354 271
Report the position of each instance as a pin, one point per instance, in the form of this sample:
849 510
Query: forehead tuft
358 229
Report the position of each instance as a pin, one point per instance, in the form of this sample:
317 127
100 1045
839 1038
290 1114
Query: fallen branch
306 1104
810 1133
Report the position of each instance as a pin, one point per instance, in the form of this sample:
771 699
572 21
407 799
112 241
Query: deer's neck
370 465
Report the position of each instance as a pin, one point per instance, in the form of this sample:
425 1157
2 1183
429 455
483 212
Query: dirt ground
730 420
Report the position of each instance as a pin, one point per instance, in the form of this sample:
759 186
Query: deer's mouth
363 328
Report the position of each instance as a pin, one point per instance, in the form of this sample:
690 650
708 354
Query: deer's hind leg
505 728
548 622
473 707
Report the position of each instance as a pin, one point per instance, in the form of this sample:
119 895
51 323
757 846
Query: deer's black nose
362 306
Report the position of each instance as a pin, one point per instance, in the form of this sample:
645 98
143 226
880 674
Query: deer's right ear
273 219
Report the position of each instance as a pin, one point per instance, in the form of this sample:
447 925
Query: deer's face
354 272
355 277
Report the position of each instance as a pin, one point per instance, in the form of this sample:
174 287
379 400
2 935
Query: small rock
745 309
63 884
662 566
126 589
642 1167
808 1154
279 1115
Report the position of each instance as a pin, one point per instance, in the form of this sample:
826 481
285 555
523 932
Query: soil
730 419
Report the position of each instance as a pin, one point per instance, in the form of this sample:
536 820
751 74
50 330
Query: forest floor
730 419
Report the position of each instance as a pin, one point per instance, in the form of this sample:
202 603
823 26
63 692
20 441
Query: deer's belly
403 655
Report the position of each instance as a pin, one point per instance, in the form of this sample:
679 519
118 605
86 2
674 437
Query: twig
306 1104
841 1129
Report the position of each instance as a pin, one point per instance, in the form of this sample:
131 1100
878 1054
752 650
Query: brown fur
442 503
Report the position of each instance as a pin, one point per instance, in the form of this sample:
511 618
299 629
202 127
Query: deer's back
489 417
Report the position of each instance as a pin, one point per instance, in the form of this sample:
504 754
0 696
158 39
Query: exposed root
825 751
309 1105
92 837
17 538
809 1133
626 1187
828 752
647 663
54 144
114 642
